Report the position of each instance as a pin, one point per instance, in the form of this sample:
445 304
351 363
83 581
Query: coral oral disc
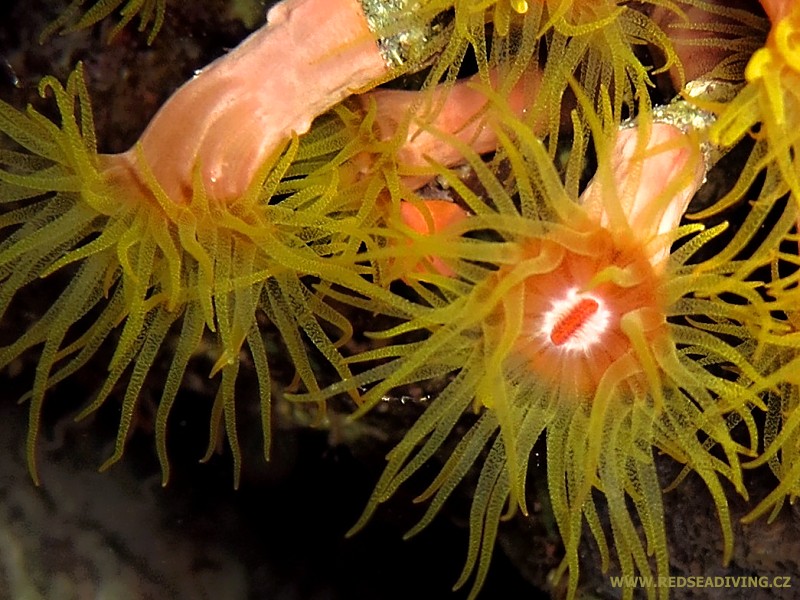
571 321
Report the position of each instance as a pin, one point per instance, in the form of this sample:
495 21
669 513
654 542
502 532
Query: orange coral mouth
577 319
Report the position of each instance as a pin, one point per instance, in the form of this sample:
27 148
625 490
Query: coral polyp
575 329
144 265
766 112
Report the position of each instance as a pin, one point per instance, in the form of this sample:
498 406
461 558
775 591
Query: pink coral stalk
459 110
226 121
654 180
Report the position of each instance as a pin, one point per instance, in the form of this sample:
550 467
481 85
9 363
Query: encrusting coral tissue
516 188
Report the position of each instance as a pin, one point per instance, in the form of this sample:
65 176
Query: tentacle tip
110 461
34 472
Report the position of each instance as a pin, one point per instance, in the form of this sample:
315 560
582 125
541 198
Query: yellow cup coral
145 263
580 327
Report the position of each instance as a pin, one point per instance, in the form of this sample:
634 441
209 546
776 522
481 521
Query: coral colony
521 213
